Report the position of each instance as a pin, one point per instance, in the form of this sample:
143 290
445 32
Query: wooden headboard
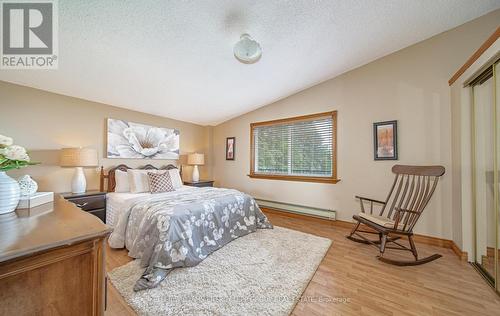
111 174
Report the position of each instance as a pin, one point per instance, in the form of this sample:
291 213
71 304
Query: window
297 149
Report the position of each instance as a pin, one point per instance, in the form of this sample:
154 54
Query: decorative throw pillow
138 179
160 182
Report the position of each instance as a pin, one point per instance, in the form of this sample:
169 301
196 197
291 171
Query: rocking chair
411 191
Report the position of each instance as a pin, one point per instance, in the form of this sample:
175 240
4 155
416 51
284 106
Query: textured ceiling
174 58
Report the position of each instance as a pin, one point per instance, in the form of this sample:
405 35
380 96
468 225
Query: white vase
9 193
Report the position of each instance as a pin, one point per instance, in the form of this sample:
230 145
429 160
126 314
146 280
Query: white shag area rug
263 273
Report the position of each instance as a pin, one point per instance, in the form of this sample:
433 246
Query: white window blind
295 148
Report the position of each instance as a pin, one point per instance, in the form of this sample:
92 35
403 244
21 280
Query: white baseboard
298 209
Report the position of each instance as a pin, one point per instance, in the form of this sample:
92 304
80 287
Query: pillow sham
121 181
160 182
175 177
138 180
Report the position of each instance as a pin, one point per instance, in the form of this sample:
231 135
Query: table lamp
78 158
196 160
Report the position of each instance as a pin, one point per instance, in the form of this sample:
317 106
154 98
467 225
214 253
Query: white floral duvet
182 228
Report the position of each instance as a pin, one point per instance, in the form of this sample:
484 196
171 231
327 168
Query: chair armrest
368 199
402 210
365 199
400 214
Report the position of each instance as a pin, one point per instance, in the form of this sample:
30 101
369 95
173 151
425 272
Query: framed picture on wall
230 148
139 141
385 140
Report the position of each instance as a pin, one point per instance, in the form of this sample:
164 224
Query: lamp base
78 184
196 174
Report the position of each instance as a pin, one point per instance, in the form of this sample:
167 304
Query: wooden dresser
52 261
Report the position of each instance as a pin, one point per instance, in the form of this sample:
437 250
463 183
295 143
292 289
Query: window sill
294 178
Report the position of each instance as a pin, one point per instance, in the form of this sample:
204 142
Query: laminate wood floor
350 281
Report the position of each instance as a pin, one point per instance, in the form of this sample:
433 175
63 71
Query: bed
176 229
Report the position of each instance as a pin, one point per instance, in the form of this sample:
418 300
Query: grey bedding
182 228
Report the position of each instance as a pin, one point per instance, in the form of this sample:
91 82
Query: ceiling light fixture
247 50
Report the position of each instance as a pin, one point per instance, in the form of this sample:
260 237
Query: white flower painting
139 141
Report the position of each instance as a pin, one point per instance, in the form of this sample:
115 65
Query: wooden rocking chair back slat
409 195
411 191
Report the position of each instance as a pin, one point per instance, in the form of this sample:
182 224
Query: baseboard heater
298 209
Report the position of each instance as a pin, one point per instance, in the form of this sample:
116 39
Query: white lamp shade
196 159
78 157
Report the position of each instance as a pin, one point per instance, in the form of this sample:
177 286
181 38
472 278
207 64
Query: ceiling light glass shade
247 50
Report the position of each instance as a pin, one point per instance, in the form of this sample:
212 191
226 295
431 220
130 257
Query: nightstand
93 202
200 184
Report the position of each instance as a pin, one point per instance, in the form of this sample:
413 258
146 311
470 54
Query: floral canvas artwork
139 141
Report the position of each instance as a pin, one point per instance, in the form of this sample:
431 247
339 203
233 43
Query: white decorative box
35 199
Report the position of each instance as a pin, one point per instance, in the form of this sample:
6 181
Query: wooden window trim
332 180
492 39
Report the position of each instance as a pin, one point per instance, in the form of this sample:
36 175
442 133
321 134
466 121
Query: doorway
485 177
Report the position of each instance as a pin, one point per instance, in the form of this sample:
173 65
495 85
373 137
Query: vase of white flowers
11 157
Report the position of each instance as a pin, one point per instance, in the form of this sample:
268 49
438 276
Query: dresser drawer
90 203
203 184
200 184
101 213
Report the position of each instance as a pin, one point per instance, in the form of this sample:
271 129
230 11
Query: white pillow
176 178
121 180
139 181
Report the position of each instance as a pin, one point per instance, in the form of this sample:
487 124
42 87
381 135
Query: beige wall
409 86
44 122
457 170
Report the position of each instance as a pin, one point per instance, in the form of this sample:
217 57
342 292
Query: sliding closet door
484 177
496 100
